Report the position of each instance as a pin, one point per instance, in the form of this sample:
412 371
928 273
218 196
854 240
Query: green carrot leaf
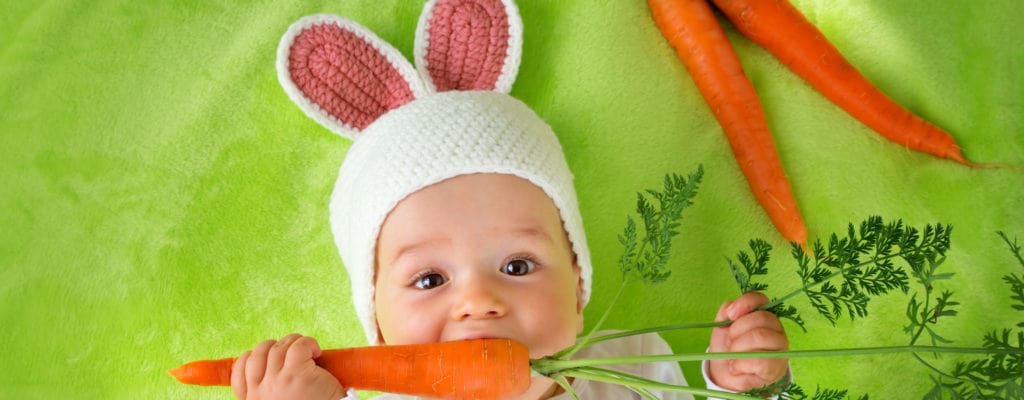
753 264
1001 375
660 213
925 314
1015 281
756 264
795 392
837 281
628 241
645 258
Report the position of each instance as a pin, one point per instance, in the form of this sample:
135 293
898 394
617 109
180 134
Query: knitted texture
469 45
433 139
413 127
345 76
341 74
467 31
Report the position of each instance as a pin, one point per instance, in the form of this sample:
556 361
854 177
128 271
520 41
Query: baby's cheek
552 342
407 323
555 328
410 331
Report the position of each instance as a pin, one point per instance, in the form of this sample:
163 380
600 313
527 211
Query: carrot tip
204 372
178 373
995 166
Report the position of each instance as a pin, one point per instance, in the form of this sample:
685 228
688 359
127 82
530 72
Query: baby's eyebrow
533 233
529 232
413 247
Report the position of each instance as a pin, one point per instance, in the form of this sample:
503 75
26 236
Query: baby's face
481 255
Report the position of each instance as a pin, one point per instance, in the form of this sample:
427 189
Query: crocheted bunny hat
413 127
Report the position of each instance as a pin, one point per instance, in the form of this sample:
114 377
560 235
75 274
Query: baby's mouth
473 336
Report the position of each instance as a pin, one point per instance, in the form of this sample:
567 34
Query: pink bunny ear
469 44
342 75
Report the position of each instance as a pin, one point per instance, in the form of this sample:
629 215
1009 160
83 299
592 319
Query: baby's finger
753 321
745 304
256 365
720 341
238 376
303 350
723 312
759 372
276 354
759 339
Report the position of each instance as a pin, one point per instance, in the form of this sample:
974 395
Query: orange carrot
782 30
205 372
692 29
468 369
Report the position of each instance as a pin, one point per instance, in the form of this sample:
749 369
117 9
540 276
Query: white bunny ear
469 44
342 75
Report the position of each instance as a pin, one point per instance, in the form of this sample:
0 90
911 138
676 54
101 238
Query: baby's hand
750 331
283 370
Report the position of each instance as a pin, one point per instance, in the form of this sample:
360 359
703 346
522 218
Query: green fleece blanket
163 200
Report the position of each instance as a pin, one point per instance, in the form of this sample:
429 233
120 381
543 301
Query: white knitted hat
415 127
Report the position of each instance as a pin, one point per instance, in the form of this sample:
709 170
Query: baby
485 255
455 212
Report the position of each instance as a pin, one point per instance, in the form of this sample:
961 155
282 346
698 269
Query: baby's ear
580 300
469 44
342 75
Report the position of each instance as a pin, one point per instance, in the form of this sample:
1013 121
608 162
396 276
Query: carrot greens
844 274
646 258
1001 374
839 277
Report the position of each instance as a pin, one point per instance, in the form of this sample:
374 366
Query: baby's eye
518 266
429 281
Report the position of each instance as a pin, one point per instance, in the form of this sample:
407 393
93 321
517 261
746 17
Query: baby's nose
476 301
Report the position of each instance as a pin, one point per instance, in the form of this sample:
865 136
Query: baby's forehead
488 204
484 186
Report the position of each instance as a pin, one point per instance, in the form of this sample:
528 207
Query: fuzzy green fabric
163 200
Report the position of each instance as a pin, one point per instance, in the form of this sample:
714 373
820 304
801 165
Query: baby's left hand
750 331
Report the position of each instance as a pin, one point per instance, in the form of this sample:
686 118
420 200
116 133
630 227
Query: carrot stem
547 366
586 339
656 329
637 383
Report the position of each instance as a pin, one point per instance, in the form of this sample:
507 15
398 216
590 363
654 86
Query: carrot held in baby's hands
453 370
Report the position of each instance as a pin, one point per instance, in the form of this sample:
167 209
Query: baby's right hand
284 370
